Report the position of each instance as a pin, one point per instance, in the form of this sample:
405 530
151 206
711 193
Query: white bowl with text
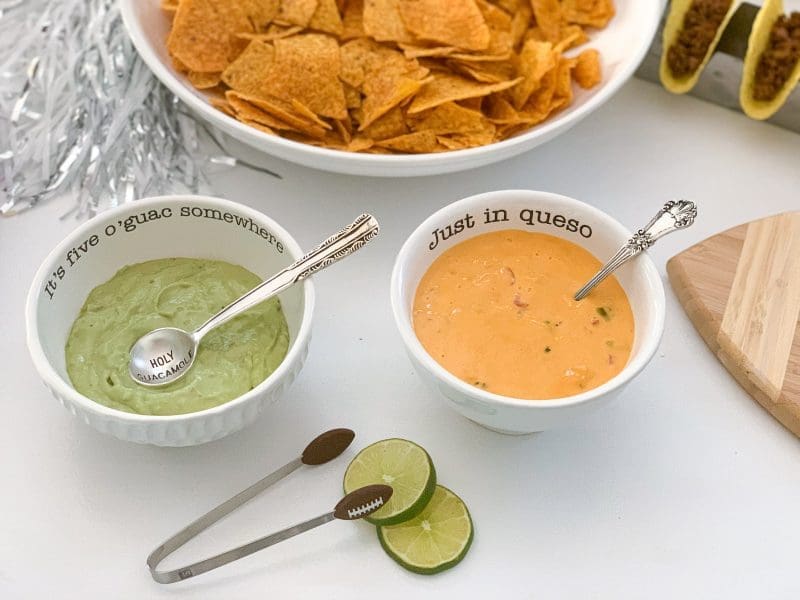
541 212
163 227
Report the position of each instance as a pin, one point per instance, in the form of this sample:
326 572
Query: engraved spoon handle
673 216
338 246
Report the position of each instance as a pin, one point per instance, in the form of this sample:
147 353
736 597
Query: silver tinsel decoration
79 110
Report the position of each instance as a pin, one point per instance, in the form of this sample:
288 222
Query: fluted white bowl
572 220
163 227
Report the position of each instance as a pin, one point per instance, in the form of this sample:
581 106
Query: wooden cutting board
741 289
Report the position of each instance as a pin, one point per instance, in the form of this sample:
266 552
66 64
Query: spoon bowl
162 356
166 354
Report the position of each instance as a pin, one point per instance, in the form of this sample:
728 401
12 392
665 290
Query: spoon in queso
673 216
166 354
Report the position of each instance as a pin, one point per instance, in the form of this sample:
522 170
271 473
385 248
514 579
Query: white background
685 488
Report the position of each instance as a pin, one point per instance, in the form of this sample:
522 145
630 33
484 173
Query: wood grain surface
741 289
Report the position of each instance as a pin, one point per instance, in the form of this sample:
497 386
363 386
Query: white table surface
685 488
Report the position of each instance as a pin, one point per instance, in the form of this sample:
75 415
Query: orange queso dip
497 311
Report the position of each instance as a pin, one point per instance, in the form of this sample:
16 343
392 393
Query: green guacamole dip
174 292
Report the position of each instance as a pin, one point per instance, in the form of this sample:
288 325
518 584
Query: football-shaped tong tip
362 502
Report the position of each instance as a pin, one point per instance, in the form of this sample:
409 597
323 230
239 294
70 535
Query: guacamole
174 292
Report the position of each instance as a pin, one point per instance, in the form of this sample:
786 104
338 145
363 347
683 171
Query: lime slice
401 464
433 541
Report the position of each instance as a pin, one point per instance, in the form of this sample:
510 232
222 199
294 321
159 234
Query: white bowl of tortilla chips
448 85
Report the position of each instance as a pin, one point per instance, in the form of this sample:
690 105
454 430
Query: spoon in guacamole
166 354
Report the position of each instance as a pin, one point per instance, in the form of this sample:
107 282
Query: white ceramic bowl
623 45
599 233
169 226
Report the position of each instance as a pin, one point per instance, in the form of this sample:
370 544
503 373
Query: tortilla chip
273 32
341 126
501 40
296 12
246 111
309 114
223 105
261 12
382 21
501 112
360 144
247 73
481 57
548 18
511 6
540 103
259 126
485 72
353 20
286 114
456 23
591 13
587 72
363 56
327 18
169 6
413 51
520 24
571 36
306 68
453 87
563 92
178 65
536 59
203 81
383 91
413 143
352 97
392 124
203 34
451 118
459 141
472 103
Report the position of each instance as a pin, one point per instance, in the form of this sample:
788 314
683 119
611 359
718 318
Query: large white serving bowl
596 231
163 227
623 45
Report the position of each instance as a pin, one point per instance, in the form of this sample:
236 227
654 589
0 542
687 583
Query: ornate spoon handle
336 247
673 216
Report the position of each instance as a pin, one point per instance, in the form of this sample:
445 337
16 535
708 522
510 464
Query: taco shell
758 42
672 29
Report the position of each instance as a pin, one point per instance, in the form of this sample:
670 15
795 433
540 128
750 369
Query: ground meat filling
779 59
700 26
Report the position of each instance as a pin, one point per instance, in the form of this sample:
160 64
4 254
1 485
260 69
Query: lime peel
434 541
412 474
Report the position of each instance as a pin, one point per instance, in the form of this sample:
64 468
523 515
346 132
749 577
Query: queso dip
498 312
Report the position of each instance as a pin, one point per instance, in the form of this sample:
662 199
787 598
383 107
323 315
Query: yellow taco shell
758 42
672 29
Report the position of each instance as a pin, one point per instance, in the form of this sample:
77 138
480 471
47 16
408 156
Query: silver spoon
166 354
675 215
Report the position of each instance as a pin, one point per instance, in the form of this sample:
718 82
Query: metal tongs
322 449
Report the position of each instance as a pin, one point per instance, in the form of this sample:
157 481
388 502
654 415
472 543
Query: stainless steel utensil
673 216
166 354
320 450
